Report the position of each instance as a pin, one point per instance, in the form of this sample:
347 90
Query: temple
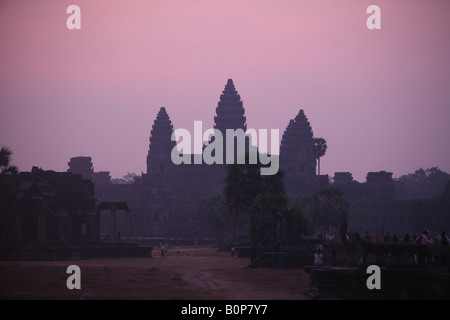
189 183
297 157
163 201
81 209
192 180
170 191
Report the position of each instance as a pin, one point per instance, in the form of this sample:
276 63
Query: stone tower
161 145
230 113
230 110
297 156
82 166
160 174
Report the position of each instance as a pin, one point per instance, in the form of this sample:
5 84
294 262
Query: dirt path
201 273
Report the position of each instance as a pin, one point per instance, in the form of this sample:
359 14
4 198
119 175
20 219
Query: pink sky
380 98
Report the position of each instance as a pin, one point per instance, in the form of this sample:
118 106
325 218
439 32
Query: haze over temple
165 200
166 192
195 181
224 150
81 214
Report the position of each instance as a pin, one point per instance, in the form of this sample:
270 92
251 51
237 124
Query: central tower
230 114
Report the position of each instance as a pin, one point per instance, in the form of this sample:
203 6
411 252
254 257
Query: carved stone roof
230 113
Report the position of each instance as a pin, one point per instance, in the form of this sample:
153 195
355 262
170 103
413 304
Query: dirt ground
198 274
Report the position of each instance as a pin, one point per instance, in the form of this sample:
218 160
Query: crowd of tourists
438 239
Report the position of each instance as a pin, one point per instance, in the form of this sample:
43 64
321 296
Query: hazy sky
381 98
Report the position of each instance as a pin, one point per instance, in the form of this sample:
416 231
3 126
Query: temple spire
297 146
161 144
230 113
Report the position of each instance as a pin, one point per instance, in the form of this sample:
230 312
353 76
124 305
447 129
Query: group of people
165 250
438 240
424 238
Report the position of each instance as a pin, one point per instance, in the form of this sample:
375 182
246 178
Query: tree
262 199
129 178
424 184
8 189
419 216
273 224
215 213
446 194
325 208
266 215
320 148
244 183
5 162
298 222
362 215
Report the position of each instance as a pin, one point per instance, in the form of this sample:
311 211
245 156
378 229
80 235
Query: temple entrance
114 222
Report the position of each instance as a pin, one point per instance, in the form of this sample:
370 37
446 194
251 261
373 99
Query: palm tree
5 161
320 147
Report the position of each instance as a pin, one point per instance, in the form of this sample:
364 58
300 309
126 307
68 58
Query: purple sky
381 98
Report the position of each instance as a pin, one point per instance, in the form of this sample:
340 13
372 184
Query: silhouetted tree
266 215
272 224
320 148
5 162
262 198
325 208
215 213
298 223
129 178
8 195
419 216
244 183
446 194
362 215
424 184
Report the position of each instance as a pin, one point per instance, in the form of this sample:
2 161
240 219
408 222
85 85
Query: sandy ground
198 274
